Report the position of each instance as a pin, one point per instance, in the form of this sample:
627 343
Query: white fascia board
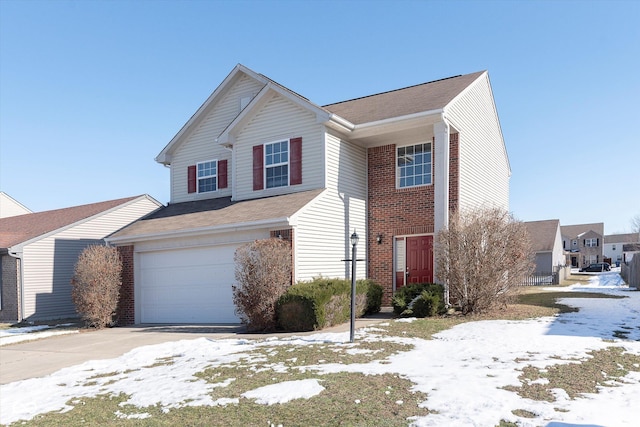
226 137
193 232
165 155
367 129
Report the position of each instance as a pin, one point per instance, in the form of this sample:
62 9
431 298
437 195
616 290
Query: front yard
569 356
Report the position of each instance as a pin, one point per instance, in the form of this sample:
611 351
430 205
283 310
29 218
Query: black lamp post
354 243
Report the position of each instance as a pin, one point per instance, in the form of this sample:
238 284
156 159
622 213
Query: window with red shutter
222 174
191 179
295 146
258 164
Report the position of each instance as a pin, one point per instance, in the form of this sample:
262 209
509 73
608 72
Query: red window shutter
295 147
258 164
222 174
191 179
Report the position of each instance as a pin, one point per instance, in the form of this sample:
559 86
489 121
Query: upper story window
276 160
591 243
207 176
413 165
574 243
278 163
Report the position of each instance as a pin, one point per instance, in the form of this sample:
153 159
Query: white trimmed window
591 243
207 176
413 165
276 161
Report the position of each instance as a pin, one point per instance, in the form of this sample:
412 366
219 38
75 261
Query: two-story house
258 160
583 243
614 243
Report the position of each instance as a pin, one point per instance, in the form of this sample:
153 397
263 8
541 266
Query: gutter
391 120
202 230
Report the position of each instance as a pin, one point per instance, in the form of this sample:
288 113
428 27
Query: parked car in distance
600 266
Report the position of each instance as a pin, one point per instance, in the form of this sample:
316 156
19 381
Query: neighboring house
613 244
38 253
546 242
11 207
583 243
257 160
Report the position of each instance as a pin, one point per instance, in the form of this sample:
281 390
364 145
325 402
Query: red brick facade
397 212
126 309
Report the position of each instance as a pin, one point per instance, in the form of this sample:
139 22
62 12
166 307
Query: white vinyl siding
279 119
49 262
10 207
325 225
484 166
201 144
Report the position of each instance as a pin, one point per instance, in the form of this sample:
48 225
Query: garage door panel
187 286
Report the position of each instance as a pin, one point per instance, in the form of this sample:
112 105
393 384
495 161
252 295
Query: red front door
419 259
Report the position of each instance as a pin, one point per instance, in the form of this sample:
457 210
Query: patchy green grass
602 368
349 399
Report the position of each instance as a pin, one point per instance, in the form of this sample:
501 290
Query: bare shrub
483 256
95 286
263 274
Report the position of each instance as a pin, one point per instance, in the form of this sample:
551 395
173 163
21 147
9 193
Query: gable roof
200 114
622 238
577 230
542 234
426 97
434 95
208 214
22 228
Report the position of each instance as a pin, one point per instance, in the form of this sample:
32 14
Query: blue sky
92 91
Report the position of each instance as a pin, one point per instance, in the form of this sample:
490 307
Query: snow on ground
463 370
29 333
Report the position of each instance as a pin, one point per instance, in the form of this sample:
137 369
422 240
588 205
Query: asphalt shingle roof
542 234
401 102
18 229
573 231
217 212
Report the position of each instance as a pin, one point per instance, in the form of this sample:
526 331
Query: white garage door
187 286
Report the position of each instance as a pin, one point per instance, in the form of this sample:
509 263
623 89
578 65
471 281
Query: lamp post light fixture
354 243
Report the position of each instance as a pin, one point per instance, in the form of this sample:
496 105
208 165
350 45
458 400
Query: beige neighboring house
11 207
38 253
546 241
583 243
258 160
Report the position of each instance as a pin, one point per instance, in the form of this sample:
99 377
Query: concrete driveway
32 359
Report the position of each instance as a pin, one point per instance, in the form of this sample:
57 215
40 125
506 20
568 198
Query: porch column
441 176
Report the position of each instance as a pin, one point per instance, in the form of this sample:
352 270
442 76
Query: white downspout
441 185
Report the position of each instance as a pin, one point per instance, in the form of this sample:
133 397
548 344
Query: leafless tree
482 256
263 274
95 286
635 223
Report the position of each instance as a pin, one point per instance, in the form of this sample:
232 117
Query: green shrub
426 304
419 300
323 302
